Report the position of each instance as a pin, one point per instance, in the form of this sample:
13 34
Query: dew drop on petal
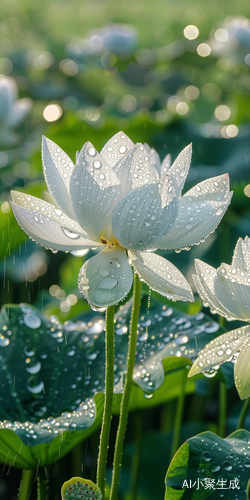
108 283
97 164
103 272
70 234
122 149
91 151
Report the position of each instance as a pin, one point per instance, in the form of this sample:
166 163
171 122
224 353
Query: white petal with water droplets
49 233
94 190
205 285
106 279
214 188
154 158
242 370
117 147
135 169
179 170
145 215
241 256
52 212
161 276
165 165
221 349
195 220
57 168
232 288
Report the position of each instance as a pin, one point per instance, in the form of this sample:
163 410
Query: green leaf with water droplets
209 467
52 397
78 488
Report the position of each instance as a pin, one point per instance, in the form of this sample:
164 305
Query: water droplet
80 253
28 351
91 151
209 373
215 467
71 352
58 212
35 368
116 261
93 355
32 320
226 466
188 226
103 272
211 327
148 396
220 211
70 234
108 283
122 149
33 386
206 456
97 164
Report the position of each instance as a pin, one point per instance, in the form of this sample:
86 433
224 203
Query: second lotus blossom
126 202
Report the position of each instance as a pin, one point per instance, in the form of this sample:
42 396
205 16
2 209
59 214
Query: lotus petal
161 275
145 215
94 190
49 233
241 256
116 148
221 350
205 285
179 169
195 220
136 170
232 288
106 279
58 168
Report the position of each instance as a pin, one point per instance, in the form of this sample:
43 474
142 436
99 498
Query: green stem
178 416
26 484
127 389
248 490
136 457
222 410
243 414
108 402
43 485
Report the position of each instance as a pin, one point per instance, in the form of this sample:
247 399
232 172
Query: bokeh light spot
191 92
182 108
221 35
52 112
191 32
203 50
222 113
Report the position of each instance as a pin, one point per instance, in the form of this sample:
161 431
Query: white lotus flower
123 201
227 292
